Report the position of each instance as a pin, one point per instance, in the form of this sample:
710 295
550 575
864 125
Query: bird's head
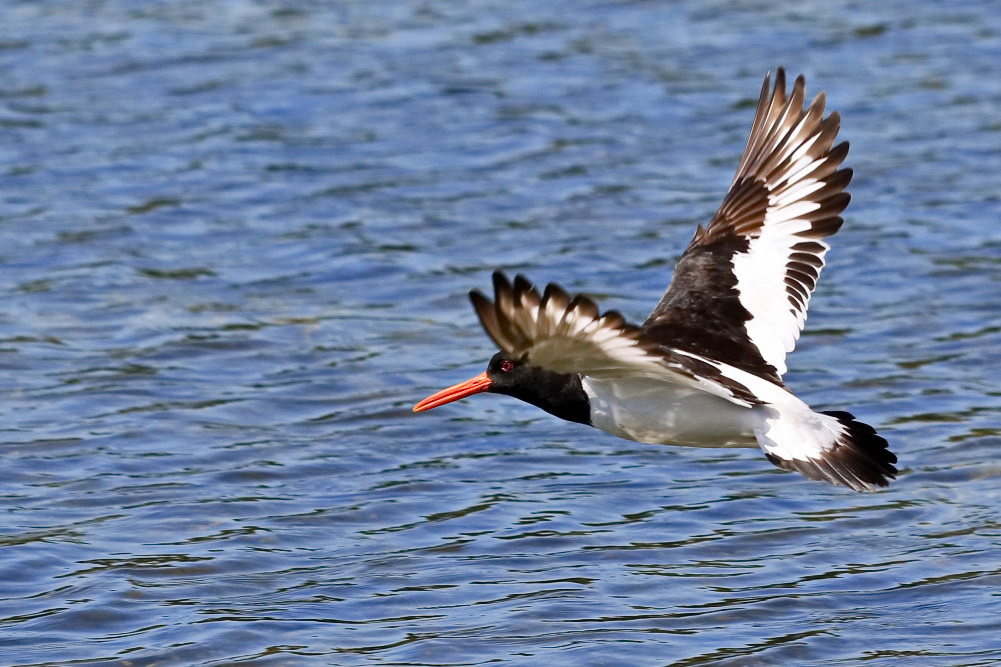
559 394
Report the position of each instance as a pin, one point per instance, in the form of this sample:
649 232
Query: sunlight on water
238 239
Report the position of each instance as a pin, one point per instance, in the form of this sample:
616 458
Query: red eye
506 365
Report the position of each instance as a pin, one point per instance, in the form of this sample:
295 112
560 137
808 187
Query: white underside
653 411
658 413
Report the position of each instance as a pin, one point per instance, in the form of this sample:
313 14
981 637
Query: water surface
236 242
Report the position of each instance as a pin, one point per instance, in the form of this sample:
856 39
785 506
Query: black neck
558 394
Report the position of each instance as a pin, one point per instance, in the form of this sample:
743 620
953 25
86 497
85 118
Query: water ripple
237 234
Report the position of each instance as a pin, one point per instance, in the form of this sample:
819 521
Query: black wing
740 292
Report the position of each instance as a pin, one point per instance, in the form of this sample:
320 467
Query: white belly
656 412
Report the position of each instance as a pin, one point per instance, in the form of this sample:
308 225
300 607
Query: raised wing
740 292
567 334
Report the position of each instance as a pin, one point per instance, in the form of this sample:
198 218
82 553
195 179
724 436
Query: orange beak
475 385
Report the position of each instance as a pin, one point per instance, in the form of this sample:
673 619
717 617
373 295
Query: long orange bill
475 385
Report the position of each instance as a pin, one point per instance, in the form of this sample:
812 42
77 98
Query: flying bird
705 368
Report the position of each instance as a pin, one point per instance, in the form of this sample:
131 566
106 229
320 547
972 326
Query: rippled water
236 242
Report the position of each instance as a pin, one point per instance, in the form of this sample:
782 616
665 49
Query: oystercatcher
705 369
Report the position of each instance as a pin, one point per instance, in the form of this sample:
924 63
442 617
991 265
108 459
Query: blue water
236 238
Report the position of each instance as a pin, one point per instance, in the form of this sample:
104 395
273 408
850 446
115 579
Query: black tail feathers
859 459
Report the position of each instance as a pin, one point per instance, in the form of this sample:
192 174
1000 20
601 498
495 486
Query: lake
237 238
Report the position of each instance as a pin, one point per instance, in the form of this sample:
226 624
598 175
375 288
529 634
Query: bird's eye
506 365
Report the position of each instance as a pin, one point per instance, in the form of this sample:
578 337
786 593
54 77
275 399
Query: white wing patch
778 309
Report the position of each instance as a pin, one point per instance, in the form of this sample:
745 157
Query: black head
558 394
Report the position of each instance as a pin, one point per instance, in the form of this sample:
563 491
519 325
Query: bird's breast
656 412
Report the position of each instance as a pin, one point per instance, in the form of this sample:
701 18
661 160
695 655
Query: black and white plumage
705 369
